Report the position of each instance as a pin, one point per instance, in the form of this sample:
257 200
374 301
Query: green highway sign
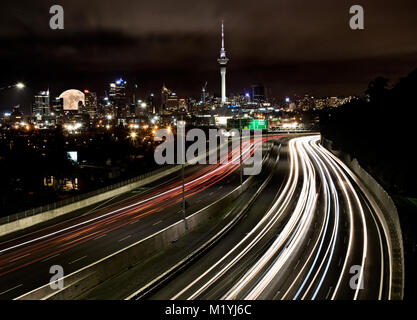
245 123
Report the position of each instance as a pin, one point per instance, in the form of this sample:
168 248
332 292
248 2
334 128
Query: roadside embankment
389 217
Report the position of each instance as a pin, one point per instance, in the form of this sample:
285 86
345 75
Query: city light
195 192
290 125
134 126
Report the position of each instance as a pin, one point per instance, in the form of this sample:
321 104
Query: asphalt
79 246
311 263
299 239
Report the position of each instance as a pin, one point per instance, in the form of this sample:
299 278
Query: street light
19 85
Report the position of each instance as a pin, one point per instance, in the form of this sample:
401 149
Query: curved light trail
319 191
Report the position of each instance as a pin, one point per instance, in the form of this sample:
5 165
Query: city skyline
209 151
298 51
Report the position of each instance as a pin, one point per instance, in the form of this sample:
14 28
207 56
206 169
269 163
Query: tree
378 90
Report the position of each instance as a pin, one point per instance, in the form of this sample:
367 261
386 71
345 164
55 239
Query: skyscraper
91 103
223 60
258 93
118 98
41 105
151 103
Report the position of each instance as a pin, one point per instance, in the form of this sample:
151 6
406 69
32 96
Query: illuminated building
41 105
223 60
118 98
91 103
258 93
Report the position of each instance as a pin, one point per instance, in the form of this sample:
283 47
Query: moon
72 99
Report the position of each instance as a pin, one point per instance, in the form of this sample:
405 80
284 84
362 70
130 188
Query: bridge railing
80 197
290 130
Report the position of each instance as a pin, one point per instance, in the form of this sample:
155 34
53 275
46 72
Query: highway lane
161 265
25 261
303 244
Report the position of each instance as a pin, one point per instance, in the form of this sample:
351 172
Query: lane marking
296 264
78 259
157 223
11 289
21 257
50 257
123 239
328 293
99 237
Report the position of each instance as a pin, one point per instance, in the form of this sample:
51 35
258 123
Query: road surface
112 225
312 234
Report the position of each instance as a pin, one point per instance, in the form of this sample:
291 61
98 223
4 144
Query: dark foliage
380 132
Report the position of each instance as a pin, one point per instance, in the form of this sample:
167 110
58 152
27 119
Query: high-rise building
118 98
223 60
91 103
204 93
41 105
151 103
258 93
169 101
173 103
58 107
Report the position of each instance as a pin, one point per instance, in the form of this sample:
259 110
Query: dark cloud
289 45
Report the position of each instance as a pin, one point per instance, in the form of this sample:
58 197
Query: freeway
313 234
112 225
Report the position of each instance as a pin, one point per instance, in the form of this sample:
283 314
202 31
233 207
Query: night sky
290 46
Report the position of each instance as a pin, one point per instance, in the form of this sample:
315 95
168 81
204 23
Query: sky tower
223 62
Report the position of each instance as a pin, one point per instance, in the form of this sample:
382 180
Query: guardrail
74 199
389 215
18 221
95 273
289 130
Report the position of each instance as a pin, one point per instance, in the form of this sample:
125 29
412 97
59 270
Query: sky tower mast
223 60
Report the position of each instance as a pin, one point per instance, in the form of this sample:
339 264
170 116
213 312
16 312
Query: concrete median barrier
92 275
390 218
30 221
